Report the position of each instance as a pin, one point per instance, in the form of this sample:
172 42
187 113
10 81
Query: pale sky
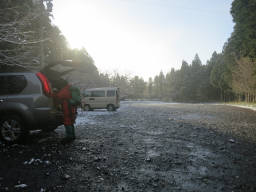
143 37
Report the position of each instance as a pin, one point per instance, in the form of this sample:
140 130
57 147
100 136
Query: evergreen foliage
24 27
227 76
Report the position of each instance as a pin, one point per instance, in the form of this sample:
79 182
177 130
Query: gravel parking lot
144 146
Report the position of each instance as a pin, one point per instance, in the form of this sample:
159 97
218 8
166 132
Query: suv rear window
12 84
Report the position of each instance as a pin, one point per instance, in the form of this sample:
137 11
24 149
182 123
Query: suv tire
12 129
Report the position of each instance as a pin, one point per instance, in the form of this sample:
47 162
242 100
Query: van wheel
12 129
111 107
87 108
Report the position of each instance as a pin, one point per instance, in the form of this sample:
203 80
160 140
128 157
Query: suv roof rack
4 68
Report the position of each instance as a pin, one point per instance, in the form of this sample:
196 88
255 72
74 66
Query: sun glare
113 44
77 24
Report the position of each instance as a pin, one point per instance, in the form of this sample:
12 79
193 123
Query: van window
98 94
110 93
87 94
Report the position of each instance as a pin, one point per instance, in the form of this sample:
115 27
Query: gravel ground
144 146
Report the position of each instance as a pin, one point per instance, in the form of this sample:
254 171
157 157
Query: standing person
74 102
69 97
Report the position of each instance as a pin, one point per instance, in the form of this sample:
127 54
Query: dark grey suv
25 104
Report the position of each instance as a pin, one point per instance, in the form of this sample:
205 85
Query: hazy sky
143 37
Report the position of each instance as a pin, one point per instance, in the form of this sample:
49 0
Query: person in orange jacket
64 96
68 96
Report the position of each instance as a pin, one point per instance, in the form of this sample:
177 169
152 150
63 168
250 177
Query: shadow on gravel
33 164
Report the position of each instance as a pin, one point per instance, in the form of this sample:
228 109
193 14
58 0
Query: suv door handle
1 100
91 99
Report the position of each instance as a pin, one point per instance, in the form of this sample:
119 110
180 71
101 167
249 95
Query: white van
101 98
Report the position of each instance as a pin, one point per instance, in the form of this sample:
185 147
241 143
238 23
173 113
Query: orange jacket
64 95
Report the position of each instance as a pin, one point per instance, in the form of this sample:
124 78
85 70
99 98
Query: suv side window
16 83
12 84
3 85
111 93
98 93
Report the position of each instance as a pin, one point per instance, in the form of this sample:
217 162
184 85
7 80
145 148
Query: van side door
97 99
85 99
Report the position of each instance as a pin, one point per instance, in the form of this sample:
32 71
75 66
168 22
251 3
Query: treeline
192 83
227 76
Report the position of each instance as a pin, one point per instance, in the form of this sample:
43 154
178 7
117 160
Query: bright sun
113 44
77 25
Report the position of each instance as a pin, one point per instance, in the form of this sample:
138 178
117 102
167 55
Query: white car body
101 98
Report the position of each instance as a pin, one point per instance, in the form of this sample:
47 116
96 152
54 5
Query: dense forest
28 38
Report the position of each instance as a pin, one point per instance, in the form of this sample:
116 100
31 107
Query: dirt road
144 146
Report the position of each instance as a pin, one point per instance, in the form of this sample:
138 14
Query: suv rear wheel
11 128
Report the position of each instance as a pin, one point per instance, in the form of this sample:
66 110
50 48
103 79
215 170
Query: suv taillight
45 83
